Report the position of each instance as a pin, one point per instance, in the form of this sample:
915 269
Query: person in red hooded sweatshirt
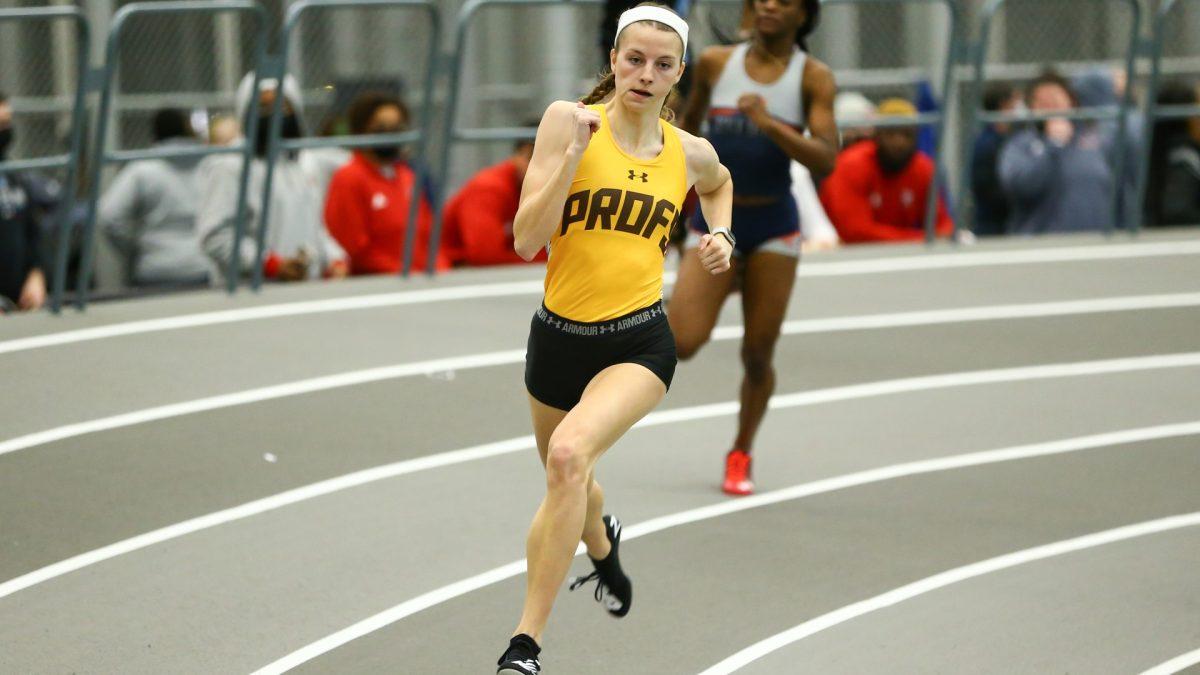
368 203
477 226
878 190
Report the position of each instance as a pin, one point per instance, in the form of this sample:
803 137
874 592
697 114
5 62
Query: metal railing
104 156
975 116
419 135
955 57
69 161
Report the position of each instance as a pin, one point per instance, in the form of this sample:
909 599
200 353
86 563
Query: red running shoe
737 474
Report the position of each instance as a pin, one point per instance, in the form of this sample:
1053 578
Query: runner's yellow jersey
606 257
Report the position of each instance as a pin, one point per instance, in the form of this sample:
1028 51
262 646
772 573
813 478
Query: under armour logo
645 176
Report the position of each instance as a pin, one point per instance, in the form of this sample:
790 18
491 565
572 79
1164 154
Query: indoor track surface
978 460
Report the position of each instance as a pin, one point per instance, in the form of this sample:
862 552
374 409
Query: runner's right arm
563 135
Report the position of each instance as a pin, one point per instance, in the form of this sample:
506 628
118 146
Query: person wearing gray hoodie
298 246
1056 174
149 211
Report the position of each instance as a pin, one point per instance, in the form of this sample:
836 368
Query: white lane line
806 326
451 591
274 311
954 576
532 287
526 443
262 394
936 261
970 314
1175 665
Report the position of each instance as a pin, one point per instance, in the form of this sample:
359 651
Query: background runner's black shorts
563 356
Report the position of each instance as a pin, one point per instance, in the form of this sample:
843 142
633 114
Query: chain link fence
508 77
339 53
178 61
40 81
1180 42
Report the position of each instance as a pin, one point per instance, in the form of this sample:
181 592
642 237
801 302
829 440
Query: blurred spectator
1105 87
1173 185
223 130
22 282
297 244
851 105
149 211
1056 174
991 204
477 222
879 188
370 198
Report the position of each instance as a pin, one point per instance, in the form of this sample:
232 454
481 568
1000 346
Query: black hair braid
812 17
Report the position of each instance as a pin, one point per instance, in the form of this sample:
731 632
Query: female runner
759 96
604 189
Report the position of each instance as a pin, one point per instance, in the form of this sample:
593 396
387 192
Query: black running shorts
563 355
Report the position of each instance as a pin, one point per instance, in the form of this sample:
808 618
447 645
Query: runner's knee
567 462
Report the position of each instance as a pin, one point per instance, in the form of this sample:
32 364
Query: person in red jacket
477 226
878 190
369 198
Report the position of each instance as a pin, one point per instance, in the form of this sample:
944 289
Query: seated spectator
1173 185
991 204
297 245
851 105
1056 174
149 211
879 189
22 282
223 130
477 225
370 197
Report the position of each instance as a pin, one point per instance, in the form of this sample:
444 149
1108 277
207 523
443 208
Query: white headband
651 13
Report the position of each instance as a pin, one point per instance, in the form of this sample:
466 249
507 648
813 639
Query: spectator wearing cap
478 220
297 245
369 198
853 106
1056 174
149 211
879 189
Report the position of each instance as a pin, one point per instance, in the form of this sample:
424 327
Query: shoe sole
509 671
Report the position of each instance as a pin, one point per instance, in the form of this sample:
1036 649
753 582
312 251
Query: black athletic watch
728 233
